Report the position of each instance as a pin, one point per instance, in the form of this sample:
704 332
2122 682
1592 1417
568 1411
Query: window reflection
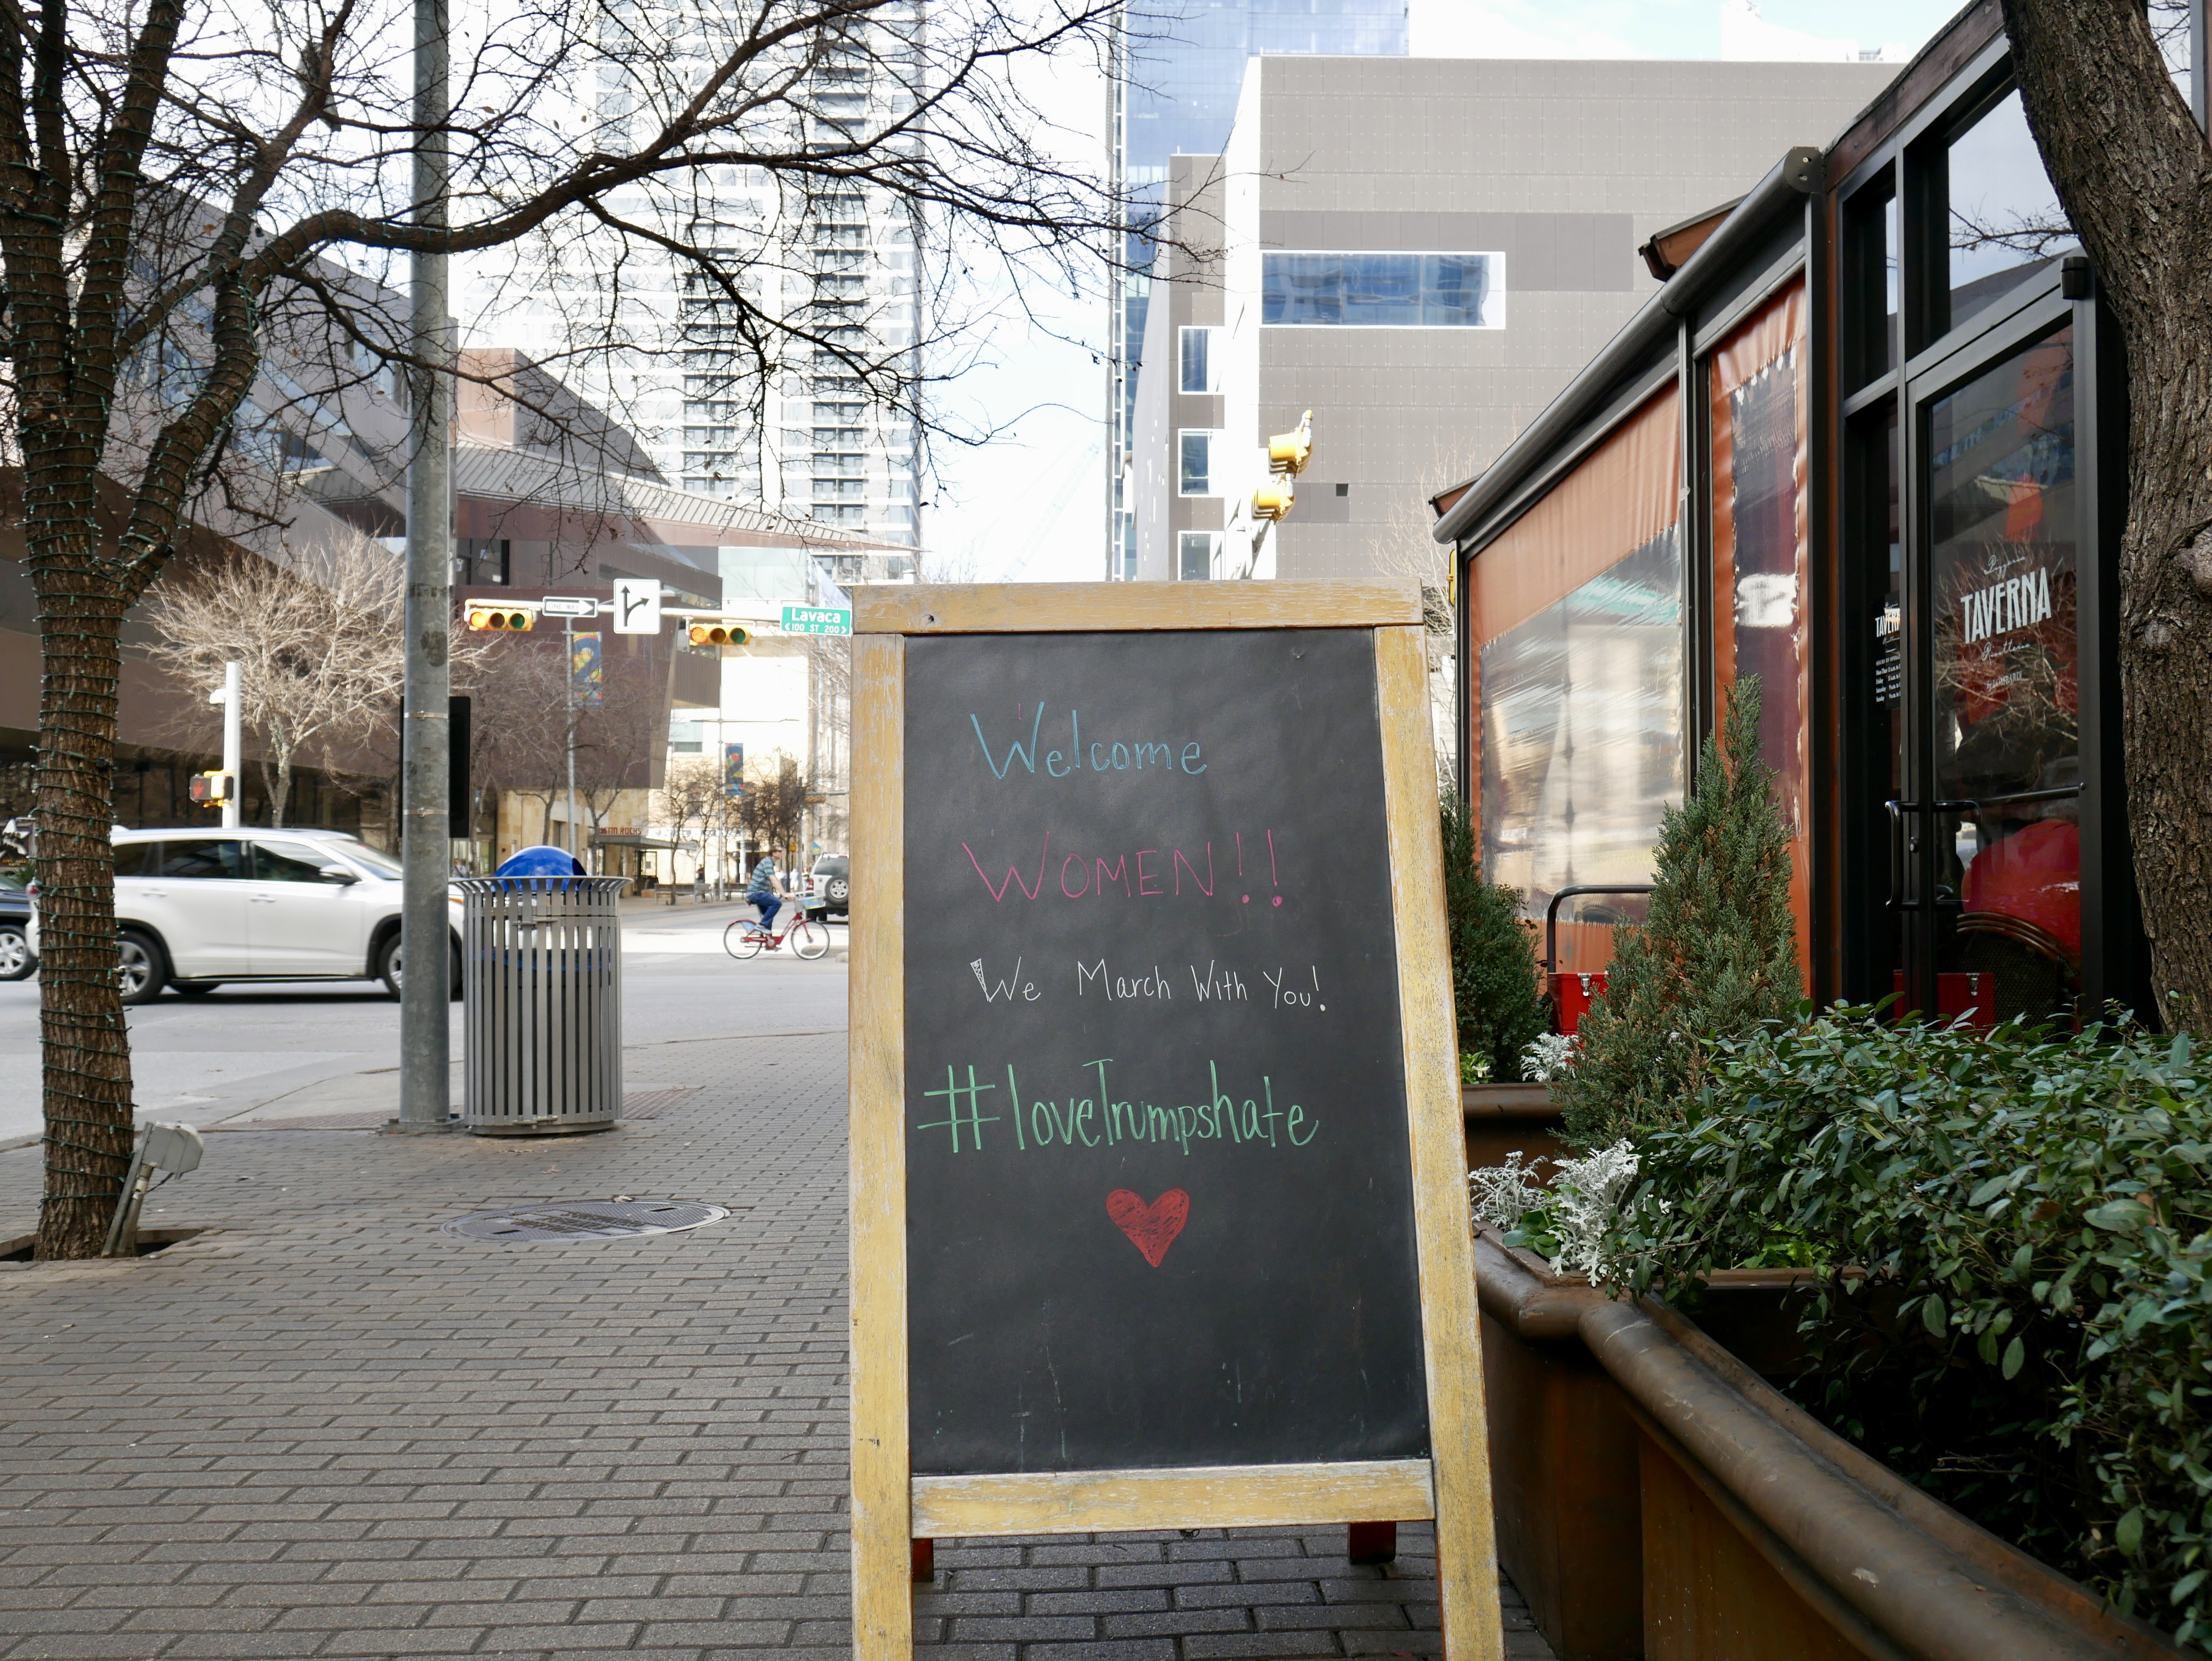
1194 463
1760 547
1582 737
1384 290
2008 740
2004 218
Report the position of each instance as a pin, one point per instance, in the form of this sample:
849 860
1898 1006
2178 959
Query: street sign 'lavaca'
1158 1187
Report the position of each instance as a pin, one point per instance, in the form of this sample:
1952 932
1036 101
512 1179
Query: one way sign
637 606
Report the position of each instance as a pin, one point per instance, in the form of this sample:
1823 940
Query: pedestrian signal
1288 453
721 633
212 789
508 615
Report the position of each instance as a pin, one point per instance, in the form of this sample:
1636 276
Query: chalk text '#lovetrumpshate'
1255 1123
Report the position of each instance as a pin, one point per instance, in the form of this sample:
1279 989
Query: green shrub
1493 958
2026 1328
1716 955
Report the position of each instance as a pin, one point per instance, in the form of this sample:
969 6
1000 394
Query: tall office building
840 260
1180 67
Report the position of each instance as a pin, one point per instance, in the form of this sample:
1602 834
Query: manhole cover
587 1220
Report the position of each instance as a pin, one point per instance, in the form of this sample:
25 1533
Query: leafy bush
1493 958
2026 1328
1716 955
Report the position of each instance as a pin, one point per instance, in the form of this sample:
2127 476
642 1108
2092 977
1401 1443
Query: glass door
1985 854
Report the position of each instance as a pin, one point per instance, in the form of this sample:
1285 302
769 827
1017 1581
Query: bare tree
614 742
2133 174
520 721
774 803
320 664
696 797
189 195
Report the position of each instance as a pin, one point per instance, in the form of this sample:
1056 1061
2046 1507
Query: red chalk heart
1150 1228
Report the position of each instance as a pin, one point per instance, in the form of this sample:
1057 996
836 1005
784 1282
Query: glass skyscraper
1174 94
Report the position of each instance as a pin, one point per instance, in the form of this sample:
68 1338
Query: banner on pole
584 671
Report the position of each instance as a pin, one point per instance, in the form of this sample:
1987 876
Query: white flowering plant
1474 1068
1549 1058
1566 1223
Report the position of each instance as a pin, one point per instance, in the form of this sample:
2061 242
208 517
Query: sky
1030 505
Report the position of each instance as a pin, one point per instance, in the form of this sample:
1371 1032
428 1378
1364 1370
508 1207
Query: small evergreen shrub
2024 1327
1716 956
1493 960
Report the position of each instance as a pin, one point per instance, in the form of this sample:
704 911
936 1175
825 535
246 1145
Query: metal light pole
233 735
425 840
569 709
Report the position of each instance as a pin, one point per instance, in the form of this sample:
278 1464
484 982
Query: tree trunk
279 791
86 1053
2134 174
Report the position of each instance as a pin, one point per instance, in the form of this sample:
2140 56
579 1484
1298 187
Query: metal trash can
541 966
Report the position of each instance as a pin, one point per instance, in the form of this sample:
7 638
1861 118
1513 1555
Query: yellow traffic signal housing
212 789
721 633
511 615
1274 502
1288 453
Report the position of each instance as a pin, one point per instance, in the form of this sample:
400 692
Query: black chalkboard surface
1159 1199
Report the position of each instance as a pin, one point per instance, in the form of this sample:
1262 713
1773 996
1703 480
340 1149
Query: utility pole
233 745
425 845
569 709
2200 66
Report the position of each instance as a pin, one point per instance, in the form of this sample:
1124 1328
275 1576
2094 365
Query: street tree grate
586 1219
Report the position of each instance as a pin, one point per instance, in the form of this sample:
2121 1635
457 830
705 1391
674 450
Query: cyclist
766 892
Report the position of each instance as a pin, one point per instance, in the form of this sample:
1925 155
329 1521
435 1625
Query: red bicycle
745 938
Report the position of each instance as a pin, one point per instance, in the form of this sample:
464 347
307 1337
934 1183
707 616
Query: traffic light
1275 501
212 789
1288 453
721 633
511 615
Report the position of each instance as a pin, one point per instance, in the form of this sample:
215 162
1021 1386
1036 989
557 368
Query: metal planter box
1657 1498
541 964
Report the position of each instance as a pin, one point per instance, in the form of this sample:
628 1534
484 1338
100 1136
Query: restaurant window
1383 290
2001 218
1577 619
1873 285
1756 385
2003 564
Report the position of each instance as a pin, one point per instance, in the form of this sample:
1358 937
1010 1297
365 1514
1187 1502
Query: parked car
829 885
17 959
197 908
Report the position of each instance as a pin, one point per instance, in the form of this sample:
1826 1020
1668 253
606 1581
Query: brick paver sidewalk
325 1428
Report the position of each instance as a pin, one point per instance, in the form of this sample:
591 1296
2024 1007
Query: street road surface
300 1047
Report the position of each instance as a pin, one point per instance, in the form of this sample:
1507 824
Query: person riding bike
766 891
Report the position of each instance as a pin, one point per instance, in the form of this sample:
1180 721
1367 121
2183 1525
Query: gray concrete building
1422 251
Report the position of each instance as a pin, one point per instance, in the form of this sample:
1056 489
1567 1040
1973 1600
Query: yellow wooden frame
891 1507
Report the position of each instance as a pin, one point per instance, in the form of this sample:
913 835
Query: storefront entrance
1988 682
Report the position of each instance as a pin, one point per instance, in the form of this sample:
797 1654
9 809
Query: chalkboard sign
1158 1204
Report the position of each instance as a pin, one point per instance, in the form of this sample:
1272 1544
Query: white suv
197 908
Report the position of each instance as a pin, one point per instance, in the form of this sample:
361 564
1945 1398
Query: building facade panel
1555 171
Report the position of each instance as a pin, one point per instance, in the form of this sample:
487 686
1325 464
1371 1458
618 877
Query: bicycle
745 937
